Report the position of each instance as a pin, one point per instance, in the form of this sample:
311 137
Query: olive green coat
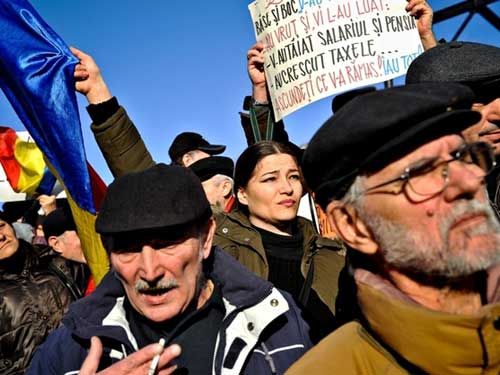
416 340
235 235
122 145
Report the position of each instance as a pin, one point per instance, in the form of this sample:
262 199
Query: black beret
340 100
159 197
208 167
473 64
57 222
188 141
375 129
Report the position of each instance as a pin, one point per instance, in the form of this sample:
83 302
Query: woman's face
273 192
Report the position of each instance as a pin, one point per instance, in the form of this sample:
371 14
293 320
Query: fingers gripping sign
423 14
255 68
137 363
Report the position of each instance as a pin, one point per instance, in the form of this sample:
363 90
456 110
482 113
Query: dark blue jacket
262 328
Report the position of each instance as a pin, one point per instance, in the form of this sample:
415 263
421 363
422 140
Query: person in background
61 235
36 288
265 234
27 217
168 282
407 197
188 147
216 176
477 66
59 230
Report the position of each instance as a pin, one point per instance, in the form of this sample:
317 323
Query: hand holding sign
255 67
317 48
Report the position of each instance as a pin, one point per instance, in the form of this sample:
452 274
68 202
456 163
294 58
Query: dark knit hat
188 141
57 222
375 129
473 64
208 167
159 197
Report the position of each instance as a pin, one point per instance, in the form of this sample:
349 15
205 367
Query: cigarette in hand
156 359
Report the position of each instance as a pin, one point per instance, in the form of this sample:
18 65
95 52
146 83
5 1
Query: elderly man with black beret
477 66
61 234
188 147
406 193
216 176
169 285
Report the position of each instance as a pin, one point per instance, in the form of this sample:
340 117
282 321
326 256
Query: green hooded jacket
235 235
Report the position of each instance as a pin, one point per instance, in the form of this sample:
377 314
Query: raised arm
255 69
423 14
259 99
115 133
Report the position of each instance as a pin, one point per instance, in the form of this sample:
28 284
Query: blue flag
36 75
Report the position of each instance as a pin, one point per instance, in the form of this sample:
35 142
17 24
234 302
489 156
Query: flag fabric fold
36 75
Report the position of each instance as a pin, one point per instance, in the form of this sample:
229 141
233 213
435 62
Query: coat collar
436 342
252 238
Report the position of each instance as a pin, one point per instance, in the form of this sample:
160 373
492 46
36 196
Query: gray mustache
142 286
470 207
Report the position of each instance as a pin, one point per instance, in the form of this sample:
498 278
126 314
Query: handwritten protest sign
317 48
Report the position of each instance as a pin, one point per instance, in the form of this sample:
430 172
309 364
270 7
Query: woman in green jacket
266 235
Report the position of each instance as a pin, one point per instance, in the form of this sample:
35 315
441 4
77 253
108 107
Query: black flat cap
375 129
57 222
159 197
473 64
188 141
208 167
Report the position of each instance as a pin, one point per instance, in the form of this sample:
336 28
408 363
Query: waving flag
36 75
23 164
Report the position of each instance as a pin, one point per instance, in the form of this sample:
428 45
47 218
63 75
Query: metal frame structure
471 7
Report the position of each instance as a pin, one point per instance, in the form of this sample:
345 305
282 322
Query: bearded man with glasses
406 193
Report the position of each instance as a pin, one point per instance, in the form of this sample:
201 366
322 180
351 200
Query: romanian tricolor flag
36 75
23 164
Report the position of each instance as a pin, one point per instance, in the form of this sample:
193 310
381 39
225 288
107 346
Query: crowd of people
212 270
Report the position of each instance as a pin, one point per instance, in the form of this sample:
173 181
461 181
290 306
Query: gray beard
415 253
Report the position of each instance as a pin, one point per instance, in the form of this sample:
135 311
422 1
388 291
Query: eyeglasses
431 177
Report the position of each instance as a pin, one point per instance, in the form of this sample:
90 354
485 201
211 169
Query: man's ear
207 245
55 243
242 196
187 159
227 188
351 228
